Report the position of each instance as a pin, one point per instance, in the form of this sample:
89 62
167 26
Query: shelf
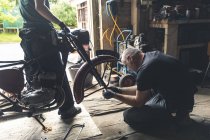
192 46
165 23
171 32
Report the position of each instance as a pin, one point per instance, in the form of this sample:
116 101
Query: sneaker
70 113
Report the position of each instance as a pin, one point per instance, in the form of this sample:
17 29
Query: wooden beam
135 16
105 22
93 17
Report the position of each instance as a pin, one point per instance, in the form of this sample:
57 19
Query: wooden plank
123 21
105 22
192 46
191 21
170 41
158 25
94 25
28 128
98 106
135 17
111 123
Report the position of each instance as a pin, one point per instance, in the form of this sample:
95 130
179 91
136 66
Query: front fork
94 72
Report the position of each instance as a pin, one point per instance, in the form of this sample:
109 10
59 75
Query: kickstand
44 128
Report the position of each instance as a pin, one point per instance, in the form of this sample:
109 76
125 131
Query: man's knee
125 116
136 118
145 116
135 115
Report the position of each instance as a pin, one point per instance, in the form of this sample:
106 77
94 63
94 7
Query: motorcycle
14 90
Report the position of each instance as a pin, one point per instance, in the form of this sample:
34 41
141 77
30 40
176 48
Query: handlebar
67 34
75 39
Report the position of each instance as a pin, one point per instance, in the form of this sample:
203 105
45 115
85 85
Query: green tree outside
64 11
61 8
7 11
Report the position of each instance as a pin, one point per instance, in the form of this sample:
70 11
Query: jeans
152 114
36 44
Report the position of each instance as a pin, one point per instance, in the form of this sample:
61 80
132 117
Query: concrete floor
113 127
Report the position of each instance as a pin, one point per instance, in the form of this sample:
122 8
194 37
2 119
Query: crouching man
164 90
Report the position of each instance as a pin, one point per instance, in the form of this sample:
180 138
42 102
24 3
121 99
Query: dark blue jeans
39 43
152 114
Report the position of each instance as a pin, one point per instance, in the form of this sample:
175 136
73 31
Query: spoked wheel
85 82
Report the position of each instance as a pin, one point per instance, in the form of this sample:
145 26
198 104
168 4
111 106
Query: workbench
171 45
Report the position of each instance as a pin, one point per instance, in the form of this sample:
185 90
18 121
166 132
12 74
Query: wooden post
170 40
93 16
135 16
105 22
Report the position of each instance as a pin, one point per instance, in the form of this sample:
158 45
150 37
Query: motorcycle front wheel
85 82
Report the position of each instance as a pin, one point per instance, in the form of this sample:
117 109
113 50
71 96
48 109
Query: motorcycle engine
39 97
42 90
45 80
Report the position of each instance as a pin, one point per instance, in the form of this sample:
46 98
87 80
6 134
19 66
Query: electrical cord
115 27
115 23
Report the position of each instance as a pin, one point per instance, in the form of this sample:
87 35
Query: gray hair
132 52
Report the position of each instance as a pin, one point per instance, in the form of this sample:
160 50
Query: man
163 88
37 40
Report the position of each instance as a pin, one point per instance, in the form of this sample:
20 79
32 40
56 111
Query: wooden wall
105 21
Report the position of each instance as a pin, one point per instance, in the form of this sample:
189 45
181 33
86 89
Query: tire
127 80
81 89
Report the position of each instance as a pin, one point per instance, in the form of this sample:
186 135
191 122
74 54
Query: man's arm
137 101
44 11
128 90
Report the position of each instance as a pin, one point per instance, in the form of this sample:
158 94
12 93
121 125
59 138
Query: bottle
188 14
197 12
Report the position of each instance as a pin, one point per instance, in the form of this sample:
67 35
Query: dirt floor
108 117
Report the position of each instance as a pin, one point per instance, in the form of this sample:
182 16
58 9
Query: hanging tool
74 126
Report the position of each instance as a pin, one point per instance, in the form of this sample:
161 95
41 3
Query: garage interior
180 28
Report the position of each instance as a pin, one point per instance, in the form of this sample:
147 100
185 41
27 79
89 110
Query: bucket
73 71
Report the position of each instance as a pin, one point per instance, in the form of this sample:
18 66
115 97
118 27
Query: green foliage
9 11
7 4
65 12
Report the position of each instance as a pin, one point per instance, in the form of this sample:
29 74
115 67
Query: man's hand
108 93
115 89
64 27
111 91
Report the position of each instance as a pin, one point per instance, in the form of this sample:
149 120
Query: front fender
78 88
